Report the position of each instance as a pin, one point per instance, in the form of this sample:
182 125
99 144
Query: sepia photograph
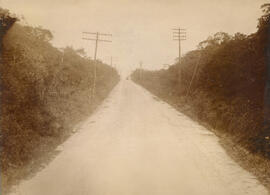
135 97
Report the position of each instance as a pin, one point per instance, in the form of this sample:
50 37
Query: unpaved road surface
137 145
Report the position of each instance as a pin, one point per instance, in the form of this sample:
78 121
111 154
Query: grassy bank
224 84
45 91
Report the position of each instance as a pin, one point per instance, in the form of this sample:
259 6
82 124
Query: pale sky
142 30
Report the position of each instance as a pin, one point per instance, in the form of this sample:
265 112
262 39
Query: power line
97 39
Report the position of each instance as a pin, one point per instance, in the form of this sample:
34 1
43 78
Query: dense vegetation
223 84
45 91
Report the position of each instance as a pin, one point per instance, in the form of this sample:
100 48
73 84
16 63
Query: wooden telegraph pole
179 34
97 39
141 70
112 65
111 62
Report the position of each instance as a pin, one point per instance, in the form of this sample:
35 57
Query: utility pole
111 62
179 34
140 70
97 39
111 66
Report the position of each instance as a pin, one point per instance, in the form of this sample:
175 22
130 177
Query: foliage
227 92
45 91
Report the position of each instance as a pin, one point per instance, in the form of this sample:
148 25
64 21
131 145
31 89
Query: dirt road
137 145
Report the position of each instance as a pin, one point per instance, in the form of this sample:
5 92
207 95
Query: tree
265 19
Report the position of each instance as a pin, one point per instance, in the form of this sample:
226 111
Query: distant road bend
137 145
